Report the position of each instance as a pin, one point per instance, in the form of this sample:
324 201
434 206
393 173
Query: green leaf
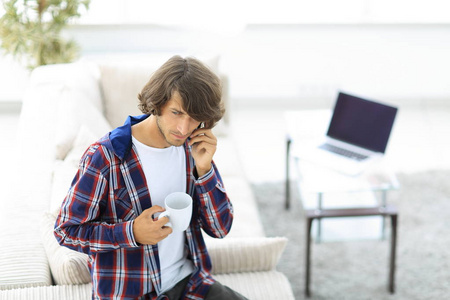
30 30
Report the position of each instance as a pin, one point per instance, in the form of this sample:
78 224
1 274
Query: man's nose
183 126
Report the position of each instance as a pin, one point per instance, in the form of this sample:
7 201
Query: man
109 211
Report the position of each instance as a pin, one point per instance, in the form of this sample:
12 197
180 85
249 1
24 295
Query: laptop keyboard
343 152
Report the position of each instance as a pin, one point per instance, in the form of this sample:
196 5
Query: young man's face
174 123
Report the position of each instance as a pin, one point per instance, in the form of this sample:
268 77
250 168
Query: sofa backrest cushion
75 111
81 76
56 96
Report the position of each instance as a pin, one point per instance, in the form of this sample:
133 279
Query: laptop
357 135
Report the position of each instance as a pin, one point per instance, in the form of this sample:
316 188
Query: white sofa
65 108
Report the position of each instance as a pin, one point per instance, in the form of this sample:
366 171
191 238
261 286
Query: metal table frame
388 211
383 210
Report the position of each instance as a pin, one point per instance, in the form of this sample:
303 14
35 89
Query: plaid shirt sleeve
215 209
78 225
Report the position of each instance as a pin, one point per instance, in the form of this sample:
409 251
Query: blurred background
297 52
282 56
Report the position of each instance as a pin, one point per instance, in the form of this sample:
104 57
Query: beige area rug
358 269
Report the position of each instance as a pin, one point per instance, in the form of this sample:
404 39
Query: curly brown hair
198 86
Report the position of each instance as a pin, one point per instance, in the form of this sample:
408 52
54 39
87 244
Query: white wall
296 64
399 63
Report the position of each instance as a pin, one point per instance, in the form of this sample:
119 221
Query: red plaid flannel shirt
108 192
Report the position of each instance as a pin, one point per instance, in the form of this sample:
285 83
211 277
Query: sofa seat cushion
259 285
226 157
246 222
253 285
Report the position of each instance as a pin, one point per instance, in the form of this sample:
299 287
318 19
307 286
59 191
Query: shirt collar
121 136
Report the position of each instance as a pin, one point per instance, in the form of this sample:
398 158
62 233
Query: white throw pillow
65 171
249 254
75 110
67 266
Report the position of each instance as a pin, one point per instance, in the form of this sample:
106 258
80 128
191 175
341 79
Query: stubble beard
164 135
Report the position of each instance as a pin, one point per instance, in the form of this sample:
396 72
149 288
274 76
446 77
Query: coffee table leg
393 252
288 184
308 255
383 204
319 221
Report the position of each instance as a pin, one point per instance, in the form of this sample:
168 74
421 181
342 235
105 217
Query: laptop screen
361 122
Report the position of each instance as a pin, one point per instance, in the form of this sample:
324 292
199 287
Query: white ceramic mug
179 210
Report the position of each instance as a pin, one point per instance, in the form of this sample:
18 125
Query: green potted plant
31 30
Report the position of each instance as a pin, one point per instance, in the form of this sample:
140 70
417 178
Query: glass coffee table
330 196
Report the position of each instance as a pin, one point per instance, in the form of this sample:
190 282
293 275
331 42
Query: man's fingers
205 147
203 134
165 231
203 138
162 221
152 210
202 131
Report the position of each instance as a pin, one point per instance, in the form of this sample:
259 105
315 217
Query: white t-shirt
165 172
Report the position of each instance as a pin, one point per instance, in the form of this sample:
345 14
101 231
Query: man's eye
176 112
